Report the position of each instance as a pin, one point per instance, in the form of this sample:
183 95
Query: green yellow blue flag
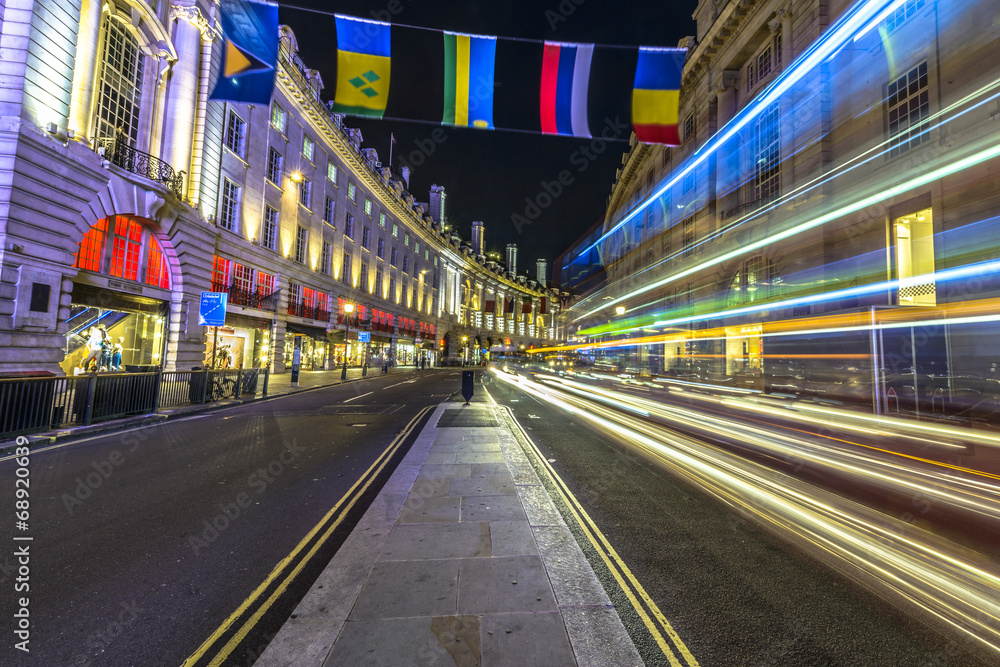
363 64
469 62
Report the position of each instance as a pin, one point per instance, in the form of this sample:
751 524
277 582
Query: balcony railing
247 298
135 161
309 311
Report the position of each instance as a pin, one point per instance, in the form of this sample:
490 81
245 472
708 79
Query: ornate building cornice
193 15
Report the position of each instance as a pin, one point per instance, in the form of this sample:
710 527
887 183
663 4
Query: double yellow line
330 522
659 627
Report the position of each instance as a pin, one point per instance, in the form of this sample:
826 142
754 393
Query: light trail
924 574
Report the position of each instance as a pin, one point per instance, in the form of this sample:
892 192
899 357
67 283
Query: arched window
119 92
120 246
756 280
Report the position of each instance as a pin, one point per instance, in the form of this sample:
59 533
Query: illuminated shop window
914 236
129 247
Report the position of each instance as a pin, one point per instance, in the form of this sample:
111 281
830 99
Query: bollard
468 378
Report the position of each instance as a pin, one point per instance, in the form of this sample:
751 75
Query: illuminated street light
620 310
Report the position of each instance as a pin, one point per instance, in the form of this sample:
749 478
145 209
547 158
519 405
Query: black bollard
468 378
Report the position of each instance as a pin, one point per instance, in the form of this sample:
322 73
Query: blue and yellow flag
363 60
249 51
656 95
469 62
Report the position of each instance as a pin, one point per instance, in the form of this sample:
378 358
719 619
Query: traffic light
441 343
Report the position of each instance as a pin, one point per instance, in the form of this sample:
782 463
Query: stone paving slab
462 560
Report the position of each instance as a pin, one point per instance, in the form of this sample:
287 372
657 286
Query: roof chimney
512 257
541 269
406 176
477 237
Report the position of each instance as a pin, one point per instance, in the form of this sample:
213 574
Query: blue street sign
364 337
212 310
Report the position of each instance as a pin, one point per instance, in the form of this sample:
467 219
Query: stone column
85 68
182 90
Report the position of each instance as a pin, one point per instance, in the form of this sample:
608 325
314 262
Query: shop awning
312 332
246 321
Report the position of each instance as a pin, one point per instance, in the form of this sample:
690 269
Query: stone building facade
835 190
127 193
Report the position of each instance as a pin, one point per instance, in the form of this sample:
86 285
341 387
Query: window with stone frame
328 210
349 226
269 233
305 193
366 237
229 206
345 273
279 118
380 249
301 244
907 108
308 148
331 171
364 277
274 165
235 138
766 156
119 87
325 257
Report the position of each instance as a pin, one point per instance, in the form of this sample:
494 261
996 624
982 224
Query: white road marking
356 398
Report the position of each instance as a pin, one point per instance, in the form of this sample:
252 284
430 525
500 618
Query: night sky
489 175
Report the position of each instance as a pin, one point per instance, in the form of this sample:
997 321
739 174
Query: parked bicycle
223 387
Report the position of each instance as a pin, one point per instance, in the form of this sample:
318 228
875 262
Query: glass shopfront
245 342
108 331
315 348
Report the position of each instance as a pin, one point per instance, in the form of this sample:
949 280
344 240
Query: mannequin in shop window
95 347
116 354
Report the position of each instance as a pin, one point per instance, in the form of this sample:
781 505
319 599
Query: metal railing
303 309
32 404
248 298
135 161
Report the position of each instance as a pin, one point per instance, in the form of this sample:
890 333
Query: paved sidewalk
461 560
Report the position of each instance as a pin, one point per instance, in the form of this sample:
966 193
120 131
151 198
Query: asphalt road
735 594
144 542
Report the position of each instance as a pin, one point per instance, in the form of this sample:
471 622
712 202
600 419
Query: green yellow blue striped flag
469 62
363 62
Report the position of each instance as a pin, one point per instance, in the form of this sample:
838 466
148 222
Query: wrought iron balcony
134 161
239 297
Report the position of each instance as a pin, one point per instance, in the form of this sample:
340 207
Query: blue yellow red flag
656 95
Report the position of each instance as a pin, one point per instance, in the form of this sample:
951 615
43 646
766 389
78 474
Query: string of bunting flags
468 75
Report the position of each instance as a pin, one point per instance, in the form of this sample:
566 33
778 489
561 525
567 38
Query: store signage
364 337
212 310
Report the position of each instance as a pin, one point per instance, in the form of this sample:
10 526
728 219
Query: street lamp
348 309
464 349
620 310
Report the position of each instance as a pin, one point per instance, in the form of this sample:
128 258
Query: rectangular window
688 182
352 192
125 249
305 192
274 161
349 226
157 274
406 239
689 126
345 274
91 253
777 49
235 133
220 273
427 255
368 207
380 252
395 231
392 288
308 148
279 118
688 235
243 278
270 236
416 248
294 298
767 155
324 264
751 76
381 220
328 210
301 244
265 283
907 106
364 277
392 258
366 238
378 283
649 179
331 172
899 16
229 208
764 62
406 264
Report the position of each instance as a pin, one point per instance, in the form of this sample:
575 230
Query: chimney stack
406 176
541 270
477 237
437 204
512 257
